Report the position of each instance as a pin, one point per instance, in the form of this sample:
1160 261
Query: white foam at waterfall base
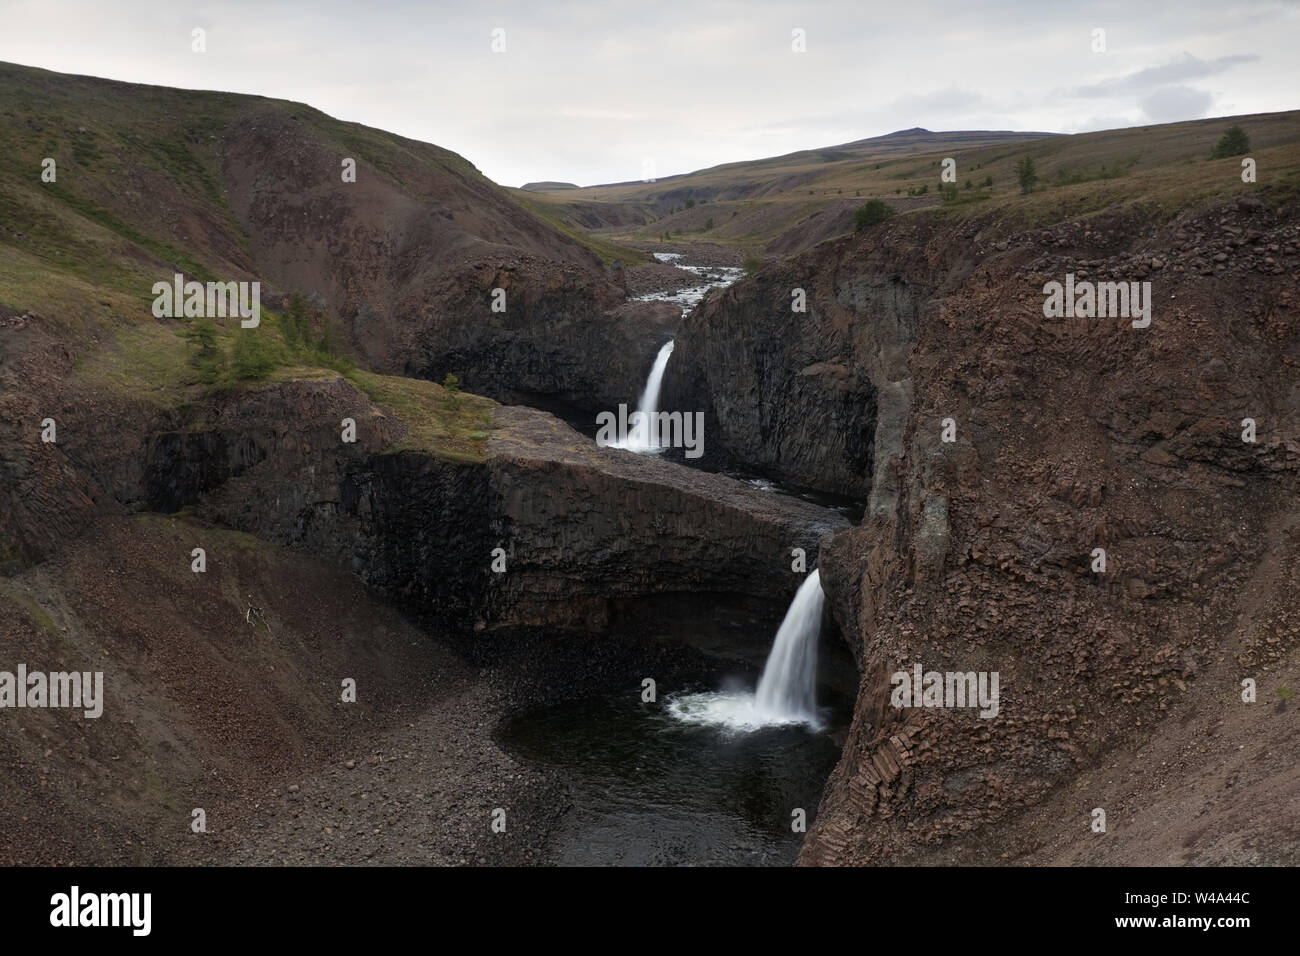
787 691
640 438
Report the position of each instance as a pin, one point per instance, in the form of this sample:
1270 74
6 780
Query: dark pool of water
851 508
649 790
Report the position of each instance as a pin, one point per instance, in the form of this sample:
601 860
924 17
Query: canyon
472 556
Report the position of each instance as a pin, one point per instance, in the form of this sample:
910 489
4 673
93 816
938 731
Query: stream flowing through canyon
643 437
716 771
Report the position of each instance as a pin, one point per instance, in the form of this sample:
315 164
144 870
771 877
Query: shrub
252 358
208 357
295 324
1235 142
451 384
872 212
1026 174
952 196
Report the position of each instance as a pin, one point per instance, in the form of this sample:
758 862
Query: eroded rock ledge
581 527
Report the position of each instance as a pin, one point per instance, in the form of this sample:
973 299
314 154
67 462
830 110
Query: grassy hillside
142 187
146 164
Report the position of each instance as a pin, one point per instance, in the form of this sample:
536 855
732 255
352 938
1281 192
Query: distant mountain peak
907 132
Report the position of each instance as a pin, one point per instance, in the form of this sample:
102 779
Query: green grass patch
1066 176
147 360
452 425
609 253
163 250
185 168
84 150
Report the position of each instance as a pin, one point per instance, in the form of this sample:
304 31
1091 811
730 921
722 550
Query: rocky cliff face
801 371
1070 435
589 527
556 342
580 528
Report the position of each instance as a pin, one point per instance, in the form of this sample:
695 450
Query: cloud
942 101
600 115
586 90
937 108
1170 104
1179 70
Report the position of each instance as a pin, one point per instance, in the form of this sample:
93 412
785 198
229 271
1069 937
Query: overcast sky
589 91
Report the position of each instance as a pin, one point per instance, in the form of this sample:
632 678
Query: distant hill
679 200
782 204
914 141
917 139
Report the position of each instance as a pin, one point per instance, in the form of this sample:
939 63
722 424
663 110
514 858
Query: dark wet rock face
414 528
556 344
589 527
800 396
183 466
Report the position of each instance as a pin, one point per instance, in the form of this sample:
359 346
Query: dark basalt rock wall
581 528
588 527
803 397
1070 435
557 343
